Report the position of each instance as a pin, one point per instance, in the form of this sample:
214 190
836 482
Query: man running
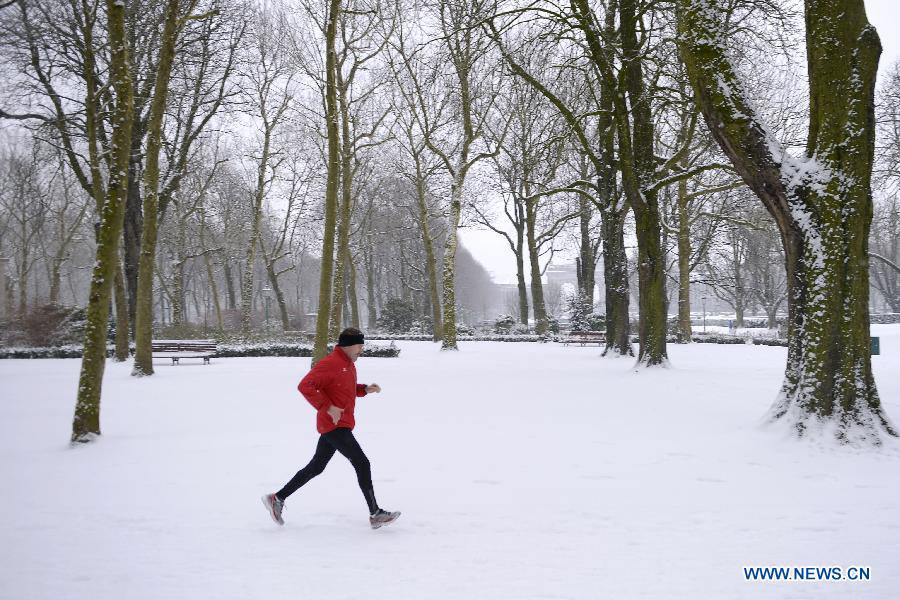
332 390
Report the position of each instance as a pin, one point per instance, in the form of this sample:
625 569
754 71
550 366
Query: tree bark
684 266
520 277
351 293
635 132
615 275
86 422
638 173
213 290
331 186
121 299
537 287
586 259
428 244
343 247
134 222
448 341
821 203
143 361
229 282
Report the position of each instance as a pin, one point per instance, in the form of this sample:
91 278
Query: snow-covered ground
523 471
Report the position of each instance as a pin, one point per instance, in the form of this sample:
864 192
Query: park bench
584 337
178 349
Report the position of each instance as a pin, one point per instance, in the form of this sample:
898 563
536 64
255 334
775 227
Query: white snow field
523 471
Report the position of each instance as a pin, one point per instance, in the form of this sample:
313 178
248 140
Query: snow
755 332
523 471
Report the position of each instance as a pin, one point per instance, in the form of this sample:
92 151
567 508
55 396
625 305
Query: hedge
462 338
224 351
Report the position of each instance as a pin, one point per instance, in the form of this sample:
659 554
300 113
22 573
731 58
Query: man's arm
313 385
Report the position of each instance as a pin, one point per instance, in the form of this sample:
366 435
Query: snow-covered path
522 470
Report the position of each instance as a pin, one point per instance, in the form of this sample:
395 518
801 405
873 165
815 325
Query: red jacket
332 382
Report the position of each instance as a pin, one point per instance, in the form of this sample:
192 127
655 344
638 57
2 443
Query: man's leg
324 452
342 440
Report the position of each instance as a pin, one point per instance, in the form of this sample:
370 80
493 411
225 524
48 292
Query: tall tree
86 423
270 95
331 186
356 97
143 361
821 202
466 50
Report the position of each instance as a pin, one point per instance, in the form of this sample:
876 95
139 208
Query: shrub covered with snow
292 349
45 326
504 324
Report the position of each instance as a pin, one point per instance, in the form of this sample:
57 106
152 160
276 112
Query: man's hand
335 413
373 388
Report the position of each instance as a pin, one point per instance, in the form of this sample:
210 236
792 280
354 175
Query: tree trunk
739 289
428 243
615 275
351 294
121 300
537 287
684 266
86 422
637 164
370 292
134 223
279 295
821 202
22 276
143 327
56 276
6 286
586 259
229 282
448 342
343 247
249 264
639 171
520 278
331 185
214 291
178 291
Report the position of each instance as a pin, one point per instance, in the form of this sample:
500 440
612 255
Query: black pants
342 440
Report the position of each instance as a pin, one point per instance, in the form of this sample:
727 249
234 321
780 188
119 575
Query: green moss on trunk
86 422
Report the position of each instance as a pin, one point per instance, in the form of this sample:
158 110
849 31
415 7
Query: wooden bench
178 349
584 337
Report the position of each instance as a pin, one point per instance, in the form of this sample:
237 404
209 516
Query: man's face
353 351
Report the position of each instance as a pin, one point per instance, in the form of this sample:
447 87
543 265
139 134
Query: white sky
493 252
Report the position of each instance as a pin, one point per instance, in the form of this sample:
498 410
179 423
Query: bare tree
86 423
271 90
331 186
466 49
24 202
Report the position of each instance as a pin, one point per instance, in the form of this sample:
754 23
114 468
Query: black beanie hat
350 337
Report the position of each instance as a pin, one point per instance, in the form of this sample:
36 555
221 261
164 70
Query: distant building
563 273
